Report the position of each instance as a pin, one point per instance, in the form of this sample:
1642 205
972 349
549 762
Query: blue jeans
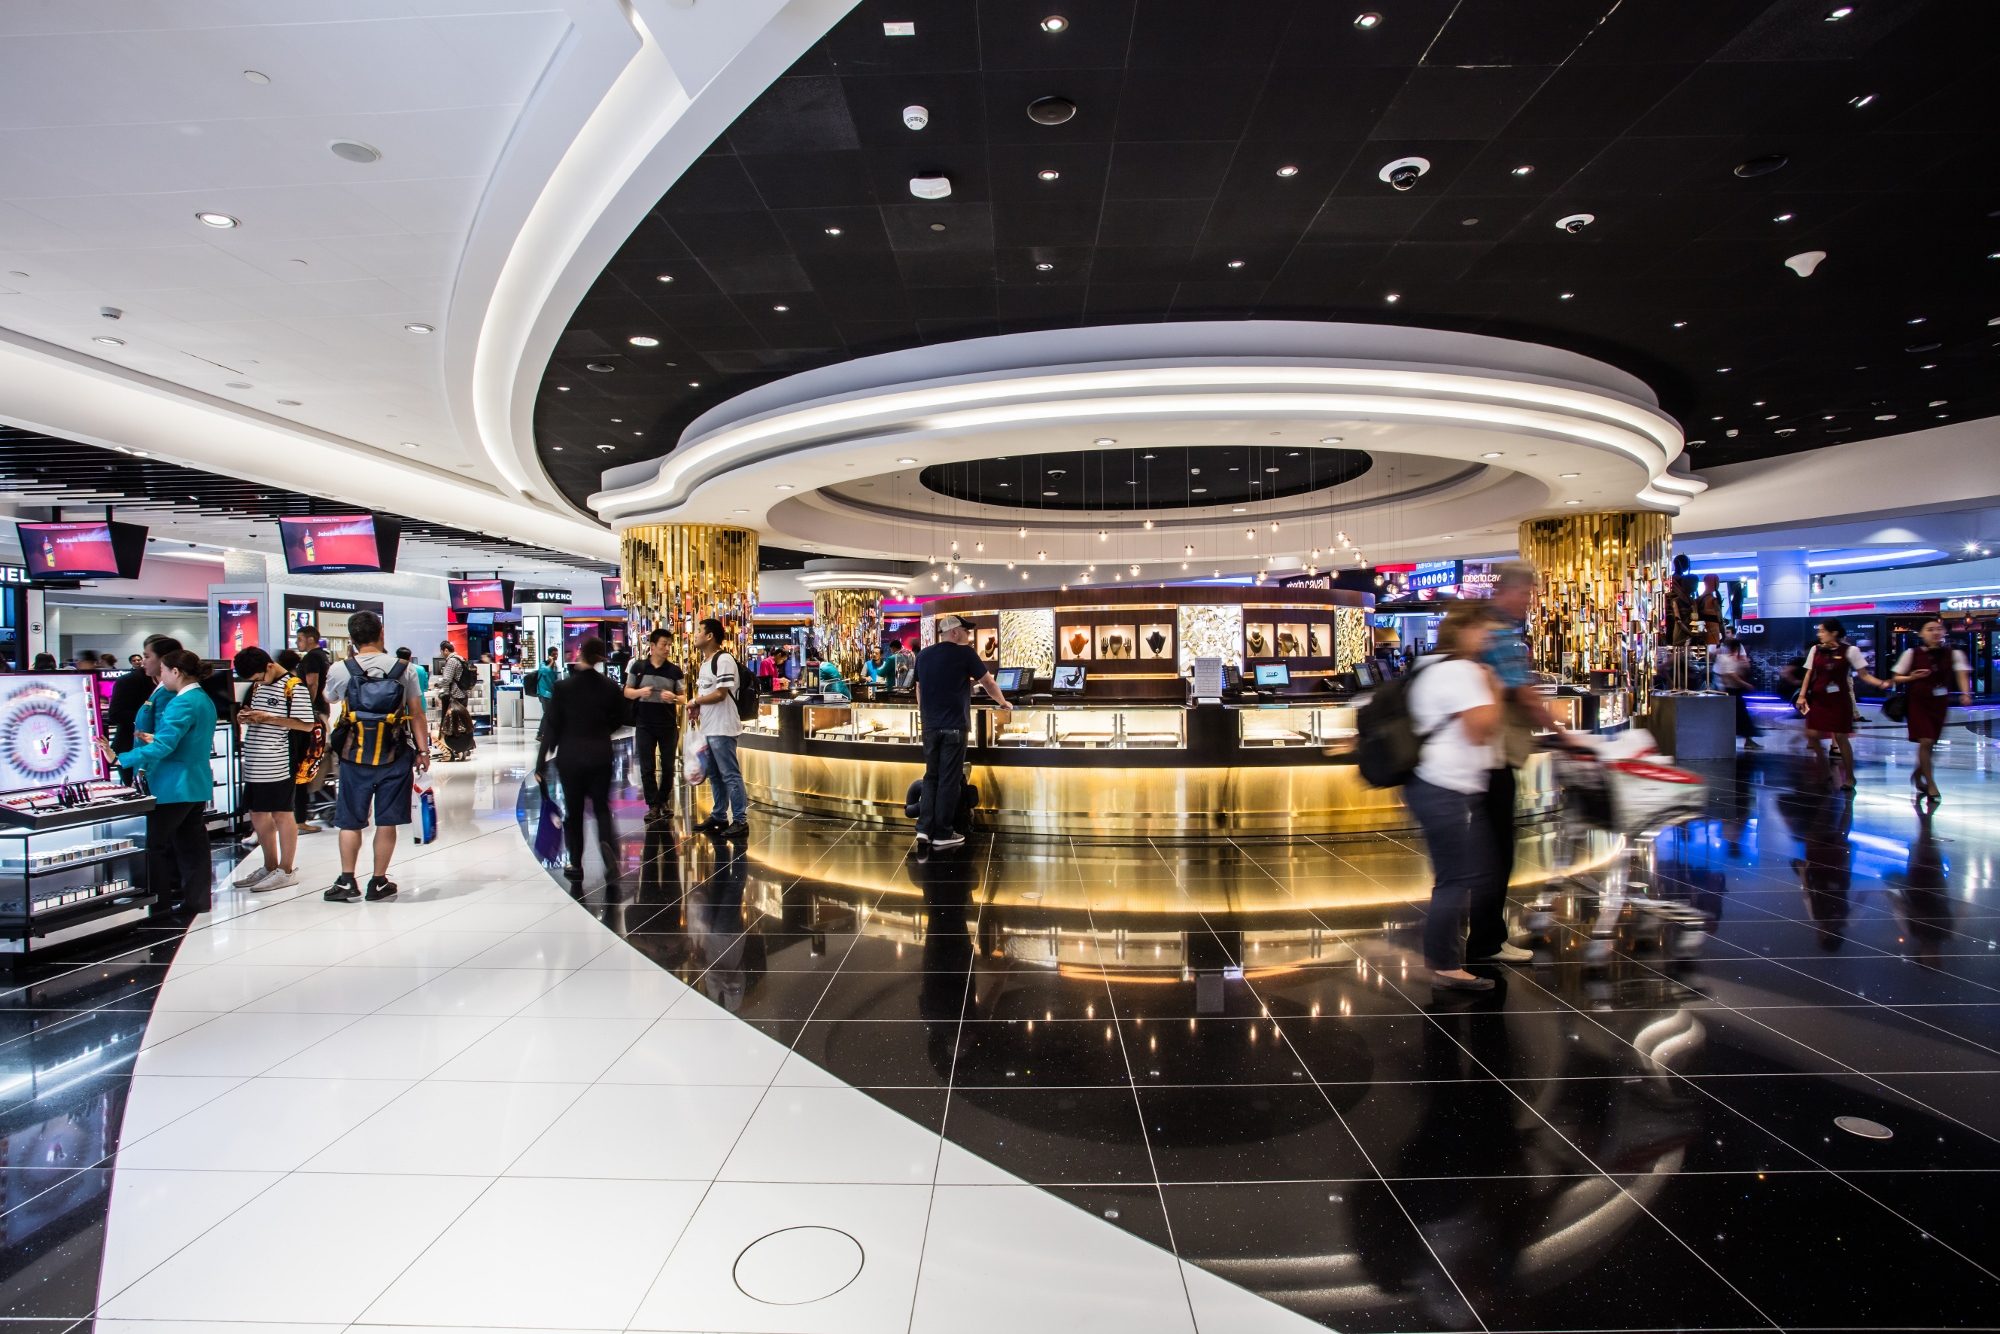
1461 849
944 783
725 781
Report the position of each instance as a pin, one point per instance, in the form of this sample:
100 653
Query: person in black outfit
133 689
314 663
577 725
946 672
658 688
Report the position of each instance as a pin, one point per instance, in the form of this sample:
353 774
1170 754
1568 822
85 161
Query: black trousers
944 782
656 751
178 865
1487 909
1746 726
588 786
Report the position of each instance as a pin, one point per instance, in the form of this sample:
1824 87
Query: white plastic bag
694 756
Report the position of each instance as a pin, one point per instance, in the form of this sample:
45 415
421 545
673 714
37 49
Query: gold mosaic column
676 574
1604 580
847 623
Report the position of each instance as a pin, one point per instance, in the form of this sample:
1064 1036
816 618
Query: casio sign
1750 628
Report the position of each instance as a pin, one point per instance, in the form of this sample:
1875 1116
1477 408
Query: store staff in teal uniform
176 732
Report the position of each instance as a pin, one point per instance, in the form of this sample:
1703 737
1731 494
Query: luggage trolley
1636 798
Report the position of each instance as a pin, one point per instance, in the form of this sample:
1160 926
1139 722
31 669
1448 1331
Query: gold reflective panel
1604 580
847 624
676 574
1028 639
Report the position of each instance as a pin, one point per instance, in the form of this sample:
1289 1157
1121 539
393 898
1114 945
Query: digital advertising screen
235 626
481 594
48 730
339 544
90 549
614 592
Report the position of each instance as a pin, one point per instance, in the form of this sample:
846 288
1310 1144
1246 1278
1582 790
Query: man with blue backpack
381 738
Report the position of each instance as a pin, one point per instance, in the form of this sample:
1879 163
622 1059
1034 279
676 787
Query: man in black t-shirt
946 673
658 687
314 663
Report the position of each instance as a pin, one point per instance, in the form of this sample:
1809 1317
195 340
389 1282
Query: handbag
549 829
1896 706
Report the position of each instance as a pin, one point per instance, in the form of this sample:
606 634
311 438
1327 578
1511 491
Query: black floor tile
1879 1040
1802 1112
1960 1209
1261 1133
1053 1134
1473 1127
893 1055
1137 1209
1971 1099
1025 1053
1657 1124
1898 981
1214 1051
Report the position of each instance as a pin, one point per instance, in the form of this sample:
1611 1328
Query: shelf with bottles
1329 727
1135 728
887 724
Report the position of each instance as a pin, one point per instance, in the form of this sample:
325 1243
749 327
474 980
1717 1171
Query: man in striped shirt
279 705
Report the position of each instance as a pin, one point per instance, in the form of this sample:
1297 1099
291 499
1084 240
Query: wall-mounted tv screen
339 544
614 593
482 594
87 549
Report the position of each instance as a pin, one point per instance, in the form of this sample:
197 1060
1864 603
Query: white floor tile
498 992
451 1129
152 1101
347 990
262 1125
619 994
956 1167
697 1006
1222 1307
315 1247
571 1253
697 1289
831 1135
162 1027
237 1044
642 1131
536 948
154 1214
798 1072
429 947
546 1050
385 1046
225 986
671 1053
1059 1263
318 946
105 1326
622 957
227 941
496 917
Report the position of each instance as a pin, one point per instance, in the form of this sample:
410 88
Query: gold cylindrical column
1604 581
678 573
847 624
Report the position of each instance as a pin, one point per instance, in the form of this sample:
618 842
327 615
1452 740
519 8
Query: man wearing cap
946 672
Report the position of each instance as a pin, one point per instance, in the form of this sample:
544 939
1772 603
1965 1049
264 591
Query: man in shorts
279 705
373 776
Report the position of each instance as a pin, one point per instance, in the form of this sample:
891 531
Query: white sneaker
1509 954
947 844
279 879
255 879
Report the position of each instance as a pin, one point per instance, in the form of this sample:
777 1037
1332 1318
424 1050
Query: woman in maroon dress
1827 696
1930 669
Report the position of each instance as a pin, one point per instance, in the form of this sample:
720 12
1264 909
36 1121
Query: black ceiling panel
1633 110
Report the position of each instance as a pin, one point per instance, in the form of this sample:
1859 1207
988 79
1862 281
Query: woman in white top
1455 707
1930 670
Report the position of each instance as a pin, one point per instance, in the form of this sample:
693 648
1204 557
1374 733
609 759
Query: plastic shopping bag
549 829
427 810
694 757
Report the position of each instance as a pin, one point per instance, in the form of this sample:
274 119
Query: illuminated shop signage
14 574
1979 602
1434 576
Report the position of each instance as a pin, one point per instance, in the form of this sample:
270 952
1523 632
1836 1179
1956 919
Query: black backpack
747 686
375 728
1390 745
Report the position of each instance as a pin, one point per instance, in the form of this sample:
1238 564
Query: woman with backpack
174 758
1455 711
1930 669
1826 697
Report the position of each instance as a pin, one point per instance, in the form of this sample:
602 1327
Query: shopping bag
549 830
694 757
427 810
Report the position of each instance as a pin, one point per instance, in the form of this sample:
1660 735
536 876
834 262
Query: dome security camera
1401 175
916 117
111 312
1575 222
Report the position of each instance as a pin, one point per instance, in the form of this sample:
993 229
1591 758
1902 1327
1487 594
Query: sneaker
922 837
946 844
278 879
380 887
254 879
1508 954
344 889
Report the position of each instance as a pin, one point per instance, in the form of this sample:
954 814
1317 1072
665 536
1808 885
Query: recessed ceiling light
1784 217
1680 324
833 231
1235 263
562 389
256 76
600 367
781 308
1928 366
1938 402
1236 509
1200 490
1918 320
290 403
1055 23
663 277
1566 296
1724 370
108 341
1331 439
557 448
1367 21
411 444
897 28
606 449
1859 102
1838 13
347 150
1288 170
420 328
1103 441
1885 416
221 220
1569 474
783 486
1492 454
694 384
1572 502
1393 297
906 460
237 384
1525 169
1044 267
617 421
1048 174
641 340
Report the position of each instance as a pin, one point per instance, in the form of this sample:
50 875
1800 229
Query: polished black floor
1231 1051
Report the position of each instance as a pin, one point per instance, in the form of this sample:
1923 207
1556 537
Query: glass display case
1327 726
1133 728
766 721
66 873
884 723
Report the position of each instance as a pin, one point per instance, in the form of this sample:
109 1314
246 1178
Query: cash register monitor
1364 676
1009 679
1271 675
1069 680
